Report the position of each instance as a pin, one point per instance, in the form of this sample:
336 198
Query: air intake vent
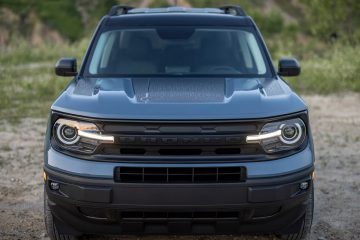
180 175
140 216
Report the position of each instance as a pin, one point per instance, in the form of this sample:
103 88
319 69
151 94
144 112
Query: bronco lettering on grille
184 140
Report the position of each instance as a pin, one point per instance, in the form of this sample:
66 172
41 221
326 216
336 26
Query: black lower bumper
268 205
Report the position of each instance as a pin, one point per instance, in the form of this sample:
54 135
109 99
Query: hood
177 98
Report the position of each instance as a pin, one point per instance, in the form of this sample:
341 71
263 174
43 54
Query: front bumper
95 205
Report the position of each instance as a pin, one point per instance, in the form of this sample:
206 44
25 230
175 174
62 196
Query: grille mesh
179 175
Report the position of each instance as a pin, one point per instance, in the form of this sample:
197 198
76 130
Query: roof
178 19
229 9
120 15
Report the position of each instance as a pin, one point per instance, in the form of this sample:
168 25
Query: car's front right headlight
79 136
280 136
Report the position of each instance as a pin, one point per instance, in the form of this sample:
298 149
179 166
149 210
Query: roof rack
119 10
123 9
233 10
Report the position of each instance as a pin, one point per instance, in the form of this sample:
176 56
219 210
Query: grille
180 138
179 150
179 175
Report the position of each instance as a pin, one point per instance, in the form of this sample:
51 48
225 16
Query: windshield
177 51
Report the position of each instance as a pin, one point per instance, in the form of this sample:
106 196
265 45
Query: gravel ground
336 128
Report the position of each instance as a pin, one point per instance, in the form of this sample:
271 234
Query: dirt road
336 128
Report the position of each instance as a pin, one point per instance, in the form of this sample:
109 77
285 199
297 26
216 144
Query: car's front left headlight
280 136
79 136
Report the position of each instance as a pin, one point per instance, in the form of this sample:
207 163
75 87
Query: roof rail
233 10
229 9
119 10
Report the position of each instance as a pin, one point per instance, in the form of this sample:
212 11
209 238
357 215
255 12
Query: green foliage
28 92
60 15
293 9
338 70
160 3
66 20
21 52
270 24
28 84
72 19
335 18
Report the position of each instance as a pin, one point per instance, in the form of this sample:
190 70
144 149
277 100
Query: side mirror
66 67
289 67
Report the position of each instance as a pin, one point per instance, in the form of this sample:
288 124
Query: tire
305 230
50 225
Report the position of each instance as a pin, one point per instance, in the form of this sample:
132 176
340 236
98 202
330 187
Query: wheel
304 233
50 225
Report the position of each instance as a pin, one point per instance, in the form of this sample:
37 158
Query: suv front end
187 149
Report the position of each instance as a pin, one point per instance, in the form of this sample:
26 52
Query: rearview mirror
66 67
289 67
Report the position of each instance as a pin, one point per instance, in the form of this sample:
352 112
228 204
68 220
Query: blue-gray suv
178 123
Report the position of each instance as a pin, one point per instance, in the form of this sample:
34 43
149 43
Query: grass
28 84
337 70
21 52
28 92
6 148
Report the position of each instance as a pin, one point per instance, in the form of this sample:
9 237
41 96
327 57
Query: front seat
136 58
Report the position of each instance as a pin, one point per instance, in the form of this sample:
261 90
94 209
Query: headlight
280 136
66 134
79 136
